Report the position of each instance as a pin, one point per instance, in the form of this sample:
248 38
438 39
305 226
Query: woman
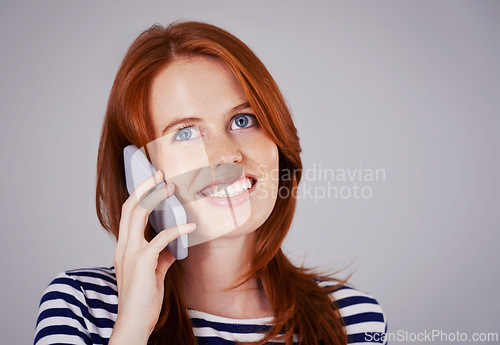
201 103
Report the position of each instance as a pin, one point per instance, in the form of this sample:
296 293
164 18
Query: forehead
194 86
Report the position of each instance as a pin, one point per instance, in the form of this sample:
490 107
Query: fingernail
190 226
158 173
169 186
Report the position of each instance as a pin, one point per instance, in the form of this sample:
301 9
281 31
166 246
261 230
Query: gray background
408 87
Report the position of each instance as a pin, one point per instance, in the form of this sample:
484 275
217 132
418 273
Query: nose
223 149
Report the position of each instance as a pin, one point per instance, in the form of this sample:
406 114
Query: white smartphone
169 211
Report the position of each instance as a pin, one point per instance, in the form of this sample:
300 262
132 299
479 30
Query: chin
213 225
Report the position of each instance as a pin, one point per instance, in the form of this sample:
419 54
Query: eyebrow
197 119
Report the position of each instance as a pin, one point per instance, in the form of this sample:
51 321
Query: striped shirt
80 307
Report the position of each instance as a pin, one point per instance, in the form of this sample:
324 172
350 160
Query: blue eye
186 133
243 121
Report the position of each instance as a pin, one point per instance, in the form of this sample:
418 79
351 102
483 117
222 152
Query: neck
215 266
212 268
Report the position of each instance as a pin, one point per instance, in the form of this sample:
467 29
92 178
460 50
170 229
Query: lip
234 200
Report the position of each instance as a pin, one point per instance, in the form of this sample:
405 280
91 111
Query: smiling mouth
225 190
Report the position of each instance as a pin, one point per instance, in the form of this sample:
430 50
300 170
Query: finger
160 241
142 211
130 204
122 234
165 260
149 255
151 201
144 187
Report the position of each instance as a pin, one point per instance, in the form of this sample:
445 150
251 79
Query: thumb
165 260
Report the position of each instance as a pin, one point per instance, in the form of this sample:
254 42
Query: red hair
299 304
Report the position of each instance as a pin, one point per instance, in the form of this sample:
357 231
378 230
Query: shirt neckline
222 319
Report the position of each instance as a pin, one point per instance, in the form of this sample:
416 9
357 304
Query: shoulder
97 279
79 306
363 316
95 287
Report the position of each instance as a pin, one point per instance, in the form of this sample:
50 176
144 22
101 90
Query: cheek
180 164
265 153
180 159
273 156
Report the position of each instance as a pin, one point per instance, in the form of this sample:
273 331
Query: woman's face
209 143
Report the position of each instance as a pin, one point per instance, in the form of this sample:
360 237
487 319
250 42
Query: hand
140 265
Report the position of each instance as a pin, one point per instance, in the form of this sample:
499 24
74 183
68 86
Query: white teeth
236 188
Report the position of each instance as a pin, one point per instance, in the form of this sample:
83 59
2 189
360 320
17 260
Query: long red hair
299 304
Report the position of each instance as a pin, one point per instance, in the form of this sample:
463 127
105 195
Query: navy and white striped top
80 307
